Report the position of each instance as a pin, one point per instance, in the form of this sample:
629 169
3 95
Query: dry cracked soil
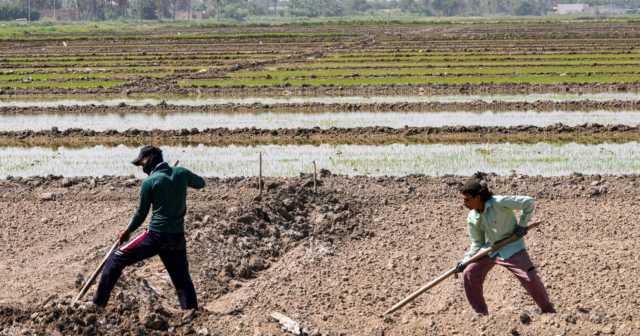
332 260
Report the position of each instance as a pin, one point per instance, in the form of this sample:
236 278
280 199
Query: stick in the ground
315 178
482 253
260 173
94 275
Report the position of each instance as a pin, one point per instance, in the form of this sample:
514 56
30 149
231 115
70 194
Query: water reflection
269 120
203 101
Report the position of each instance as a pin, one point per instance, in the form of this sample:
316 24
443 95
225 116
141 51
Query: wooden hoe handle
94 275
481 254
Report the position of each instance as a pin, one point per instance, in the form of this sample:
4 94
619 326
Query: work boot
189 315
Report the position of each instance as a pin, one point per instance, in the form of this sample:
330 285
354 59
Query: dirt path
332 261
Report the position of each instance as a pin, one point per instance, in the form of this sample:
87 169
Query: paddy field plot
390 160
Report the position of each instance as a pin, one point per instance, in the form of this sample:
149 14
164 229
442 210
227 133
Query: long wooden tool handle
89 282
422 289
481 254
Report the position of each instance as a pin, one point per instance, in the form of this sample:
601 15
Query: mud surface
153 87
474 106
332 261
587 133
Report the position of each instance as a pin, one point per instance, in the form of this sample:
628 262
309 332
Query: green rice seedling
394 160
487 57
61 85
282 74
356 65
410 81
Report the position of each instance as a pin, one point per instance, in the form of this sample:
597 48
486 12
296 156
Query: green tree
315 8
237 10
449 7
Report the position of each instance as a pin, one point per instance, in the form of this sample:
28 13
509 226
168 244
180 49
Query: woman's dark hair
477 185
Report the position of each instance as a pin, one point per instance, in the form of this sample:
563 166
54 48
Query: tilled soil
560 133
161 86
334 261
473 106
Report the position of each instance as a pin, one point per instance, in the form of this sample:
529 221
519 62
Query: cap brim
137 161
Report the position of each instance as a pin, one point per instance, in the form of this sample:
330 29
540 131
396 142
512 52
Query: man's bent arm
195 181
143 207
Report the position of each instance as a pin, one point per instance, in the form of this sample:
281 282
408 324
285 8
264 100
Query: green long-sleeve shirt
166 190
497 222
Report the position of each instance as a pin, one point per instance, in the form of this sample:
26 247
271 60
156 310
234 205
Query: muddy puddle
271 120
393 160
202 101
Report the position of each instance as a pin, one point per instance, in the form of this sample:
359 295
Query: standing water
396 160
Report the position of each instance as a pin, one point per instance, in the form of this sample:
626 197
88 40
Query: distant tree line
9 11
241 9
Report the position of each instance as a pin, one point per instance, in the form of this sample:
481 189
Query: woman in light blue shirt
492 218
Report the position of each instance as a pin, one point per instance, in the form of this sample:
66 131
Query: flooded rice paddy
393 160
203 101
270 120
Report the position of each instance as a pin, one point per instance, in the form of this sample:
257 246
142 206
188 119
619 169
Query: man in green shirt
165 193
492 219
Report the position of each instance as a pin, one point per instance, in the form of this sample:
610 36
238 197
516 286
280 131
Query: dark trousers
172 249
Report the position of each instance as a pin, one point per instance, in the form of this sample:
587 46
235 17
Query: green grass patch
53 76
281 75
31 36
67 76
489 57
381 81
399 64
122 63
151 45
62 85
475 56
69 59
94 69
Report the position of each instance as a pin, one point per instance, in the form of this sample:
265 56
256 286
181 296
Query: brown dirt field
332 261
559 133
473 106
169 86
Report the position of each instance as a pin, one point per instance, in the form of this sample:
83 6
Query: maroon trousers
520 265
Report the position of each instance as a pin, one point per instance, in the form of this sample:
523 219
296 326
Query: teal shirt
166 190
496 222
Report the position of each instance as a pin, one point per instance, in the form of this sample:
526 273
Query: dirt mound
255 234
